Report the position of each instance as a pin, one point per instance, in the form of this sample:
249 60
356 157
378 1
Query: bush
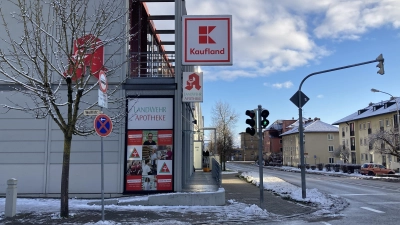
320 166
336 167
328 167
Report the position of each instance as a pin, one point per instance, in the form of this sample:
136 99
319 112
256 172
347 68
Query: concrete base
173 199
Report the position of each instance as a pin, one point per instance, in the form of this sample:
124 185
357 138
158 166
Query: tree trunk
64 210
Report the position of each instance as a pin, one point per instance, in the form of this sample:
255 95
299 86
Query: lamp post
301 100
397 108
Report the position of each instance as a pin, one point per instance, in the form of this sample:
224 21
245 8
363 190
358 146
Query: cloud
320 96
287 84
274 36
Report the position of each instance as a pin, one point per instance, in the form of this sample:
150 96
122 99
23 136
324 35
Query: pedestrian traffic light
251 122
381 70
264 122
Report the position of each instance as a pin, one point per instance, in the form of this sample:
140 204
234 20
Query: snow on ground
327 204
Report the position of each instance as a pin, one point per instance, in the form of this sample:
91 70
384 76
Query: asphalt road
371 201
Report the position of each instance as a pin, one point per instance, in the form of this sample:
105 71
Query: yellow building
356 128
320 140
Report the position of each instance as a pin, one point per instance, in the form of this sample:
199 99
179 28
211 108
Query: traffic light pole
301 140
260 159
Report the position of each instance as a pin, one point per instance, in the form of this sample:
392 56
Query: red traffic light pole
300 104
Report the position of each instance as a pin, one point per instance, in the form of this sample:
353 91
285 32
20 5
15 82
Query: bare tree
46 62
385 142
224 120
342 152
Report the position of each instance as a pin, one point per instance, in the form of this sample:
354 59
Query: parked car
374 168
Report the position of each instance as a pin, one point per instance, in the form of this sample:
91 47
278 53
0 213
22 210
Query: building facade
357 128
320 140
144 82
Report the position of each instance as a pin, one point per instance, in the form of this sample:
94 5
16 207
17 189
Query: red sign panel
164 182
207 40
88 53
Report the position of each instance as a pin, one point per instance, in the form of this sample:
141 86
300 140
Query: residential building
272 141
356 128
320 140
249 145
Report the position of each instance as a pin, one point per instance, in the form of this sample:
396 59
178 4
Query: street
372 201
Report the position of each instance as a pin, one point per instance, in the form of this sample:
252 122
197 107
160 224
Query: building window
362 156
368 125
331 160
366 157
330 148
360 126
330 136
347 142
364 126
380 123
387 122
365 141
361 141
280 141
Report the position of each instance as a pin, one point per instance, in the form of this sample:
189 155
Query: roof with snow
373 109
313 127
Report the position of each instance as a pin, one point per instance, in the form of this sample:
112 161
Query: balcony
151 64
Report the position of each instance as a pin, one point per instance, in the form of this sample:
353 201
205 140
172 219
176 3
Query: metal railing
151 64
216 171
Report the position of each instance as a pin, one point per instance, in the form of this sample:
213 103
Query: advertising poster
149 152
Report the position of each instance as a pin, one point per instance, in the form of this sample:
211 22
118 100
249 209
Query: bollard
11 197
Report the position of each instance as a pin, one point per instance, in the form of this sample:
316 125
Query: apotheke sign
207 40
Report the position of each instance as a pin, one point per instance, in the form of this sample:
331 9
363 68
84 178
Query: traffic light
381 70
264 122
251 122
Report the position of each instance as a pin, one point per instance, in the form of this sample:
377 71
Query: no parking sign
103 125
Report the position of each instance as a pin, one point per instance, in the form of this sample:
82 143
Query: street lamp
397 107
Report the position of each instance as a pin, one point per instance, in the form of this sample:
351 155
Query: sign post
103 127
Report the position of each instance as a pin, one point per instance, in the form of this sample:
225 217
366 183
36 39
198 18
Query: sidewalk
236 190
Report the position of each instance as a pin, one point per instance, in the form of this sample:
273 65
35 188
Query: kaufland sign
207 40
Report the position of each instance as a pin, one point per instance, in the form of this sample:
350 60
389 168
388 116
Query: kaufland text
207 51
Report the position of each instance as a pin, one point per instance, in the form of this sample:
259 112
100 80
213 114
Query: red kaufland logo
207 40
204 32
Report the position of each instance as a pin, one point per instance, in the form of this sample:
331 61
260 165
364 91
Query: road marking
373 210
358 194
383 203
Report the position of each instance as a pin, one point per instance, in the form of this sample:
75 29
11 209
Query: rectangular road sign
91 112
102 100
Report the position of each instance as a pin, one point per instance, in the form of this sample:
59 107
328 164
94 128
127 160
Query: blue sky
277 43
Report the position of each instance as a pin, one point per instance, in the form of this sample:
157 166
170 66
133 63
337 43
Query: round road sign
103 84
103 125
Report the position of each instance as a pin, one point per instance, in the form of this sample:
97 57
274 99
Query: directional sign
103 125
295 99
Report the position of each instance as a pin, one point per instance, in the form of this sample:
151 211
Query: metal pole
303 173
178 175
102 180
260 158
